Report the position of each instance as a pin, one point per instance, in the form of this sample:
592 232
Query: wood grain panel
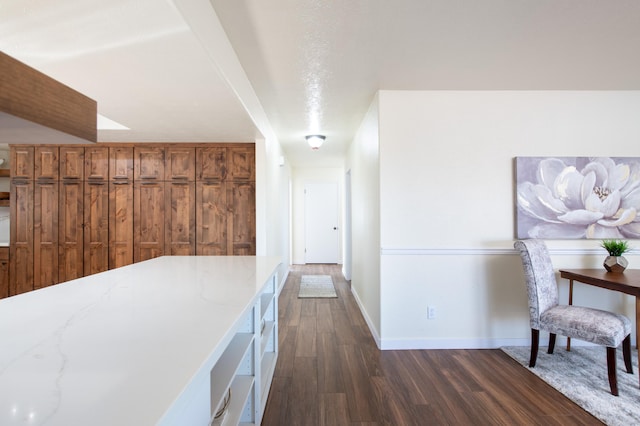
211 218
120 223
120 163
21 234
149 224
241 226
45 234
96 163
46 162
96 226
180 163
22 162
71 162
70 231
211 163
148 162
36 97
241 163
180 218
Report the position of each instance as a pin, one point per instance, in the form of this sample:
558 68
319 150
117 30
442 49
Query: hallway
330 372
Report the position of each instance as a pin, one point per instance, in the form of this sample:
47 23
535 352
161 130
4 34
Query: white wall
272 204
302 176
447 207
363 163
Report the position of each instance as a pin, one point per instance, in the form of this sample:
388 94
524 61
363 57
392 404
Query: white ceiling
184 71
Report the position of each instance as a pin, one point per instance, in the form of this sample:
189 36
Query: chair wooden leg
535 340
626 354
552 343
611 370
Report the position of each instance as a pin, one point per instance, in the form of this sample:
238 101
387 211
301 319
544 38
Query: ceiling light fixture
315 141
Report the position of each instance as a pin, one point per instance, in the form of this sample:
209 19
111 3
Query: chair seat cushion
588 324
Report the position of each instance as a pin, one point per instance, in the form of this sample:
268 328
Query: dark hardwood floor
330 372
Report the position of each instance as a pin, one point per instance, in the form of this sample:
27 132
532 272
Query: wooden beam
30 100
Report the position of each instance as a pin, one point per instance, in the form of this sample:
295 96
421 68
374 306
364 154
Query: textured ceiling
184 71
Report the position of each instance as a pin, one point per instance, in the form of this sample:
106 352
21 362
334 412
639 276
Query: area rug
581 375
316 286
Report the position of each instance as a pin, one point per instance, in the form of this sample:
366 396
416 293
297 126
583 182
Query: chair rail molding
484 251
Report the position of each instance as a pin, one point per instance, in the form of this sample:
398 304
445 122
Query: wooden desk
627 282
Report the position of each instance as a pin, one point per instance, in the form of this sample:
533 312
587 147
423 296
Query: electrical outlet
431 312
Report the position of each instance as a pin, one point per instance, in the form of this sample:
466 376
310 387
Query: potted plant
615 262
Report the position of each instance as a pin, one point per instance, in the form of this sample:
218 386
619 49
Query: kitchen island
156 342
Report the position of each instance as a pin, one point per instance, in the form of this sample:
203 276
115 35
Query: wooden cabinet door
148 163
120 223
211 163
211 218
149 224
241 163
4 272
96 163
96 226
120 163
70 230
21 235
180 217
21 162
241 225
45 234
46 162
180 163
71 162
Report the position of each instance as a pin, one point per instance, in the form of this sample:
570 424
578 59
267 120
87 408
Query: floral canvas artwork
578 197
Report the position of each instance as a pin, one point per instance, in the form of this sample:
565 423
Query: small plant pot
615 264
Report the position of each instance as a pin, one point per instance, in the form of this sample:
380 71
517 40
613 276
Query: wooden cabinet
120 223
148 163
211 163
22 163
46 163
120 206
180 218
96 163
120 163
241 218
180 163
4 272
225 200
70 230
241 164
149 225
71 163
96 210
45 233
96 226
211 218
71 213
80 210
21 236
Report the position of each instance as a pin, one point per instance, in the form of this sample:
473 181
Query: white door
321 222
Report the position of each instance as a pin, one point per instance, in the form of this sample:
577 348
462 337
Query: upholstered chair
577 322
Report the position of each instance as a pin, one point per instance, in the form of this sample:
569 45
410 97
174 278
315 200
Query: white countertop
120 347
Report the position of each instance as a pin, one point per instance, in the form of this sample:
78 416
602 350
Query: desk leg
638 329
571 303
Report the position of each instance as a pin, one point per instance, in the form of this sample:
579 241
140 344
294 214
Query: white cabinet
241 379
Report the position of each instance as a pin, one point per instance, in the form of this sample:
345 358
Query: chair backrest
542 287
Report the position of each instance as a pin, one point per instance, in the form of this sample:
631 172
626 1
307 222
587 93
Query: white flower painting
578 197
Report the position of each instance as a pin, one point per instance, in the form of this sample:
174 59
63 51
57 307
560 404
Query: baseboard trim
372 329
